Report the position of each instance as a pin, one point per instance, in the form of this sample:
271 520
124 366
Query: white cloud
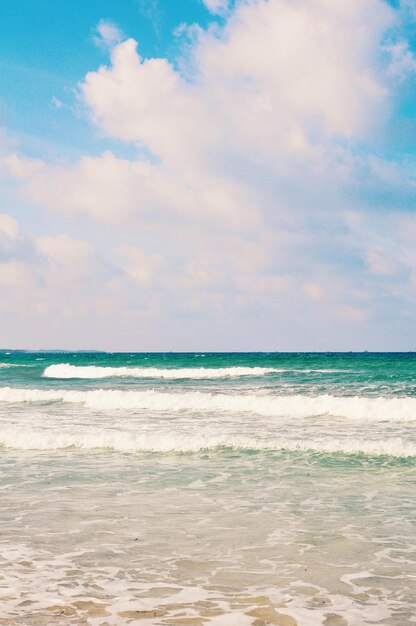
217 7
20 168
296 66
110 189
64 252
15 275
104 187
274 76
9 227
146 102
403 61
58 104
274 89
139 266
108 34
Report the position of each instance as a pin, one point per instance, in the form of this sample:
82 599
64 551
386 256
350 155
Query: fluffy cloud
68 256
110 189
269 97
108 34
275 75
277 88
403 61
217 7
105 188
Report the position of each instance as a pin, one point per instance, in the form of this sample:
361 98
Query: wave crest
297 406
36 439
65 370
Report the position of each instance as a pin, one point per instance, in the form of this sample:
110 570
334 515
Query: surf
67 371
354 408
171 442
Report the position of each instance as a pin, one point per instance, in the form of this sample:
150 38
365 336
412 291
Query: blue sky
205 175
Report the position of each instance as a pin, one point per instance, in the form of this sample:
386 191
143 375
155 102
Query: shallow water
255 497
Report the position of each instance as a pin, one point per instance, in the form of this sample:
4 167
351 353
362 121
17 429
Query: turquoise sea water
224 489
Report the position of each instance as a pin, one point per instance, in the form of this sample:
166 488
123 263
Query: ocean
219 489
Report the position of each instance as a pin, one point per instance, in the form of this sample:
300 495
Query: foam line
355 408
65 370
127 441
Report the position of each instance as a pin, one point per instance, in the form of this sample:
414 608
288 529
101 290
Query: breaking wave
34 439
358 408
6 365
65 370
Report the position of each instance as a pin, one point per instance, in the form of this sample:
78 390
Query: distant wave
34 439
4 365
65 370
356 408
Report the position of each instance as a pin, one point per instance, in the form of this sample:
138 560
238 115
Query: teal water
224 489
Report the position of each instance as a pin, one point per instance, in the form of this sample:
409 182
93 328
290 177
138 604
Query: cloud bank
259 212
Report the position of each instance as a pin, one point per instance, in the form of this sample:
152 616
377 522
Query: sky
186 175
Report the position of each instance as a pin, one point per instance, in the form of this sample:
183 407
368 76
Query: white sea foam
65 370
355 408
130 441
